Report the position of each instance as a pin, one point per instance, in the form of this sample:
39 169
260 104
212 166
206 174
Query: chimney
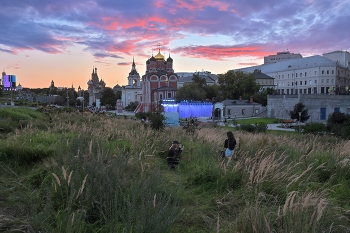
240 98
251 99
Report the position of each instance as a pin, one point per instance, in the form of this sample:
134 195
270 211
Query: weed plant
95 173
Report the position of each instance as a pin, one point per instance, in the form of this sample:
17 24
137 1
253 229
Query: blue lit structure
188 109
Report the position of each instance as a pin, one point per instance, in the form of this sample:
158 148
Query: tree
212 91
108 97
190 91
234 84
71 102
299 107
261 96
201 82
337 118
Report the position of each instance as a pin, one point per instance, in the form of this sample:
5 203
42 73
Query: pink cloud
217 52
200 4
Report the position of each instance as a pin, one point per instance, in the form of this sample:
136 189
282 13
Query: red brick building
158 83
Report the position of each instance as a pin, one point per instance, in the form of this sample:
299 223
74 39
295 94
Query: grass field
61 172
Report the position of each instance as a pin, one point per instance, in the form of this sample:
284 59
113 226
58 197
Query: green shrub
313 128
260 127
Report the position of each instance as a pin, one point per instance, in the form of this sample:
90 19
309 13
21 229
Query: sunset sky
62 40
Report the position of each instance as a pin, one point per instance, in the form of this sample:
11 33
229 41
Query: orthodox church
158 83
95 88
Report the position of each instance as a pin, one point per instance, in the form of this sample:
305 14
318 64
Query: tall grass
110 175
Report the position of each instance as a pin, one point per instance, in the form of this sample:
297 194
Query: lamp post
299 120
67 99
83 102
213 114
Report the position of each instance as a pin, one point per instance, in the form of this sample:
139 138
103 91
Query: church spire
133 64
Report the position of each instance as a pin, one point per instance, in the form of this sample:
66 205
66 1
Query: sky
62 40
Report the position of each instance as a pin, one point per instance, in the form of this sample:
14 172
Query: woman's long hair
230 136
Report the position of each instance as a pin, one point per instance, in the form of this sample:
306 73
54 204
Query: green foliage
339 124
131 107
338 118
299 107
261 96
313 128
234 84
157 121
143 115
260 127
108 97
16 118
106 175
25 151
190 91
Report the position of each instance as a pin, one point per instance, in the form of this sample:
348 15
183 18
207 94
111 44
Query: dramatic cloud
126 27
216 30
220 52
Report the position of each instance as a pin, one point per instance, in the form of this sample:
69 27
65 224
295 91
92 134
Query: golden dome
159 56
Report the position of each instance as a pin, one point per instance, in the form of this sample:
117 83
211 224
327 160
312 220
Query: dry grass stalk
70 176
73 218
154 200
57 179
309 201
81 189
295 179
64 172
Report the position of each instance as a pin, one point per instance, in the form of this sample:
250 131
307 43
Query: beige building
281 56
263 80
327 74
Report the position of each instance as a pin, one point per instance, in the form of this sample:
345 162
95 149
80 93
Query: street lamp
213 101
83 102
299 120
67 99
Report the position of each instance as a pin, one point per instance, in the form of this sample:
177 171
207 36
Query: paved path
278 127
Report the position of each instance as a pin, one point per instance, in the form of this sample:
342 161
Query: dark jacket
230 143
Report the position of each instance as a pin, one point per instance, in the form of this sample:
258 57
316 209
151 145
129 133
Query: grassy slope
284 182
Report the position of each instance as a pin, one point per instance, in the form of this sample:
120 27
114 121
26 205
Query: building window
296 75
322 71
332 71
327 81
288 75
327 71
332 80
169 94
292 75
315 81
310 82
322 80
315 72
305 82
301 83
301 75
305 74
282 76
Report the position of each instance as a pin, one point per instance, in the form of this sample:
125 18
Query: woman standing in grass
229 146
